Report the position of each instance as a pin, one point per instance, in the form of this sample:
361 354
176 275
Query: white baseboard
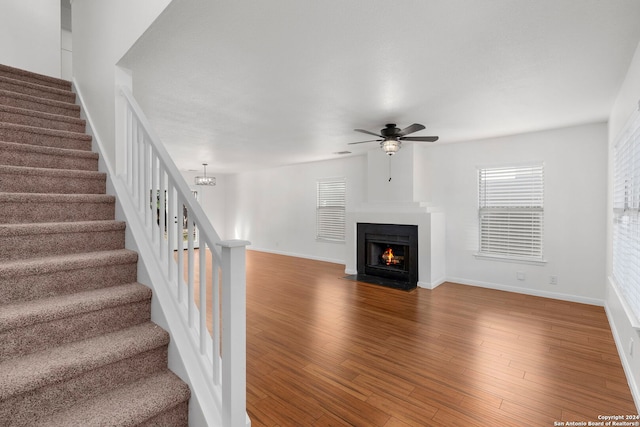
528 291
293 254
432 285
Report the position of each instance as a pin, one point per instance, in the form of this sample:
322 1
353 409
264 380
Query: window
330 209
511 212
626 217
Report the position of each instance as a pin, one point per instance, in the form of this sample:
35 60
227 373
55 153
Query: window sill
320 239
510 259
633 320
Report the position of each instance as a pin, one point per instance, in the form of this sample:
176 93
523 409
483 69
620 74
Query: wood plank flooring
325 351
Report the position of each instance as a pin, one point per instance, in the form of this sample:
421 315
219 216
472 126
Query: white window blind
330 209
626 215
511 212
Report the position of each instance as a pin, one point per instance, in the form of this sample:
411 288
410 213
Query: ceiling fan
392 137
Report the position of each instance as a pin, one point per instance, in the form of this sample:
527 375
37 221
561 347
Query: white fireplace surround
431 235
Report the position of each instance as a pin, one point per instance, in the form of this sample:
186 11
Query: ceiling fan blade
370 133
411 129
420 138
362 142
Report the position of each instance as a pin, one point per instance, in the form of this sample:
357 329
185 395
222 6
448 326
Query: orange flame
387 256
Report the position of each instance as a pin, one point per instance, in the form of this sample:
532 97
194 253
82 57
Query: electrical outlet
553 280
631 347
520 275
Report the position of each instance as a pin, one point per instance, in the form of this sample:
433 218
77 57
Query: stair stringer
183 353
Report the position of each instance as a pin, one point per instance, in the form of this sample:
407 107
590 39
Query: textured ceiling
253 84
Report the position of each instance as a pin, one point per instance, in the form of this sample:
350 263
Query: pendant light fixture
204 179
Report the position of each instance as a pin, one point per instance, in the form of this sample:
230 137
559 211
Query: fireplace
387 254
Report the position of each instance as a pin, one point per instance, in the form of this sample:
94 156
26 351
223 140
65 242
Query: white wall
399 168
627 101
575 200
103 31
276 208
30 35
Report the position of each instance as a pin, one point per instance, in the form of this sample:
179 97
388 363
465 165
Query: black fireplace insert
387 254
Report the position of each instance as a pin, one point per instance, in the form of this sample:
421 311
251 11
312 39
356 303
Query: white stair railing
171 218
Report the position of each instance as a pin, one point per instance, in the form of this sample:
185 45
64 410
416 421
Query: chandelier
204 179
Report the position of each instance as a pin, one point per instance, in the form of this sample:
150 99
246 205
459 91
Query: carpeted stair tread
56 263
35 240
41 207
24 410
36 325
30 102
23 134
52 172
30 279
59 227
13 84
178 416
48 309
22 179
127 405
20 375
53 151
60 327
16 154
23 116
61 198
30 76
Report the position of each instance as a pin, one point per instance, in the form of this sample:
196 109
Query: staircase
77 347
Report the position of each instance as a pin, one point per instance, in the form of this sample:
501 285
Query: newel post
234 333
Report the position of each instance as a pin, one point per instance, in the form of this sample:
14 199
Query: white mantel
431 246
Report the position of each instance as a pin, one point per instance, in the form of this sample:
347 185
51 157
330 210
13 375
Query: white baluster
142 173
171 229
180 242
215 303
190 259
162 216
147 189
129 148
154 193
203 296
134 171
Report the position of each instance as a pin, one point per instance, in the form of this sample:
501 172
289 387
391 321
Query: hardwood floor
325 351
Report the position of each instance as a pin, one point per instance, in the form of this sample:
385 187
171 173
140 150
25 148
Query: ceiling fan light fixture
390 146
392 137
204 179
